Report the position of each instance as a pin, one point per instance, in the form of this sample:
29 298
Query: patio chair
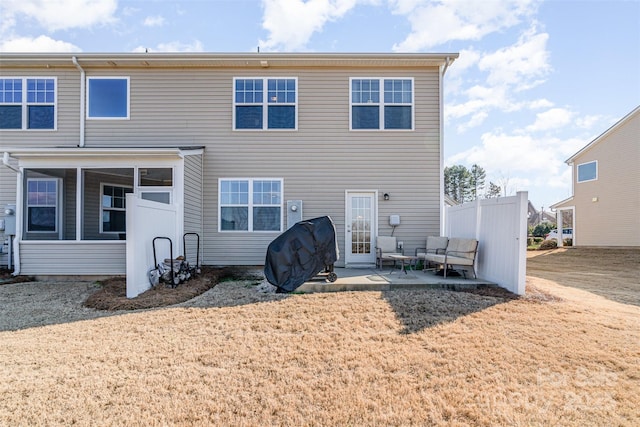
385 247
433 245
460 252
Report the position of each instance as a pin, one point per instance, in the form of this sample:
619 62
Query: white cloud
521 65
153 21
438 21
174 46
61 14
291 23
508 70
38 44
551 119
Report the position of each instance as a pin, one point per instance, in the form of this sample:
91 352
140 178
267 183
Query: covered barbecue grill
305 250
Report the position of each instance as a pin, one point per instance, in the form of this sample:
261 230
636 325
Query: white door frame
350 258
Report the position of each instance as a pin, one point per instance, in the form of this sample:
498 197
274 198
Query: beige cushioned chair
433 245
385 247
460 252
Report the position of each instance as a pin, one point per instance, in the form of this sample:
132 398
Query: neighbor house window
108 97
28 103
381 103
113 209
588 171
261 103
42 205
250 204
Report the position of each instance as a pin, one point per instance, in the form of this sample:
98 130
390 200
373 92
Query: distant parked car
567 233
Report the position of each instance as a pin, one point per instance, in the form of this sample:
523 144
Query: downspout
16 242
82 99
442 204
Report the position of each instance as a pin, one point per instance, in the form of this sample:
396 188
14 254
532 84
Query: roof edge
613 127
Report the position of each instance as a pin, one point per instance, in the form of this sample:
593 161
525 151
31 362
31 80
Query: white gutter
82 99
14 245
5 161
447 62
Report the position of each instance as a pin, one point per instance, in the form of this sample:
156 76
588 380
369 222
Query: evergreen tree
456 183
493 191
477 176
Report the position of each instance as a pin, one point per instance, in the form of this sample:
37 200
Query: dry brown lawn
233 356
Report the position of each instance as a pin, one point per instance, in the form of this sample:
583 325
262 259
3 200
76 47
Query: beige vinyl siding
89 258
67 133
193 187
614 219
318 162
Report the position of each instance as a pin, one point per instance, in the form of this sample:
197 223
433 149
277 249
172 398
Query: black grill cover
300 253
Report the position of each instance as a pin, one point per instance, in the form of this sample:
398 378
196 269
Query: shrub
538 239
548 244
529 241
567 242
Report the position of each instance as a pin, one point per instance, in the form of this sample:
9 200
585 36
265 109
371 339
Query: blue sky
535 81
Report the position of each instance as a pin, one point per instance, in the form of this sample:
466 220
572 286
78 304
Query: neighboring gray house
606 188
229 139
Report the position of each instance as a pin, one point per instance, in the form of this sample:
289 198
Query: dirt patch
6 277
609 272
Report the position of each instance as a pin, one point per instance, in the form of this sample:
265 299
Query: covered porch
71 204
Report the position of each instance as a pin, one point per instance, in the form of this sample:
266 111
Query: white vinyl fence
145 221
500 226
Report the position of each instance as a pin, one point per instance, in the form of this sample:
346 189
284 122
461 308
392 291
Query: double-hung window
113 208
588 171
108 98
265 103
28 103
381 103
42 205
250 204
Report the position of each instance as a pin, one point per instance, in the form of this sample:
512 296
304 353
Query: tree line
464 185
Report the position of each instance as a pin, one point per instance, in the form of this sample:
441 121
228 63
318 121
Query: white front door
360 227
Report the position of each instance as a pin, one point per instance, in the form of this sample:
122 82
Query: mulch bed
6 277
113 292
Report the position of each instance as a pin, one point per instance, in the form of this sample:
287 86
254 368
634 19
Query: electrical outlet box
394 220
400 245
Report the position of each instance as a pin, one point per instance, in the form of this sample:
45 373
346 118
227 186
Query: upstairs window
108 98
265 103
250 204
381 104
588 171
28 103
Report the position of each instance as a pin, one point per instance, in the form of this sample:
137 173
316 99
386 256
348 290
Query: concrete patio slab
370 279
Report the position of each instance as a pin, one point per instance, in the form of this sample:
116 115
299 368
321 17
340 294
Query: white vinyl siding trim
127 116
382 103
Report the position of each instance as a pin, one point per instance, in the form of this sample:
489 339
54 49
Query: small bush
548 244
529 241
567 242
538 239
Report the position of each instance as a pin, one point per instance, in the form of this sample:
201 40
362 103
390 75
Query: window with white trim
381 103
265 103
42 205
250 204
108 98
28 103
588 171
113 208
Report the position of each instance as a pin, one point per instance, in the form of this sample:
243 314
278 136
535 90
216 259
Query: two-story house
231 140
605 200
